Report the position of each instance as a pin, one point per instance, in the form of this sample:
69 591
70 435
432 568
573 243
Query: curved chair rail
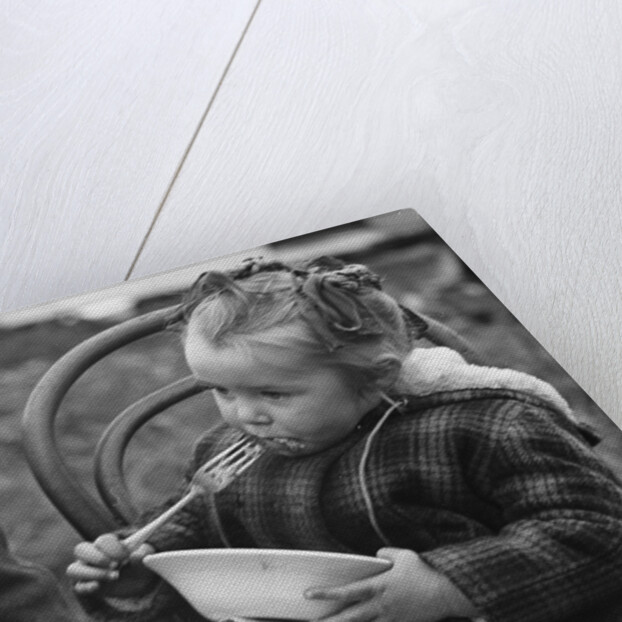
109 472
89 516
442 335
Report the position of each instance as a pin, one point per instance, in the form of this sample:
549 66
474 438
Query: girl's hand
99 563
410 591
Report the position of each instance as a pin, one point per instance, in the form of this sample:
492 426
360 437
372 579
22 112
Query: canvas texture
497 469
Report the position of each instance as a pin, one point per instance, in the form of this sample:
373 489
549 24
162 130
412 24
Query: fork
216 474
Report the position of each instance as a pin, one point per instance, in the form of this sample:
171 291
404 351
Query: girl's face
297 406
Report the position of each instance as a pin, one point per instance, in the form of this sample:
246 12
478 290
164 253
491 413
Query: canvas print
343 426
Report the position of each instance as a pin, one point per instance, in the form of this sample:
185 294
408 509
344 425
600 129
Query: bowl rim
242 552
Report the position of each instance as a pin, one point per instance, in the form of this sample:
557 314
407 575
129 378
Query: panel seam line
190 145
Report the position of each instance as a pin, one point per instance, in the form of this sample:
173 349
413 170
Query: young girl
477 483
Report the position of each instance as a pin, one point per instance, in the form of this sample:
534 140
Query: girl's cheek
227 412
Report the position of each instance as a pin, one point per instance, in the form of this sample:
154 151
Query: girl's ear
388 369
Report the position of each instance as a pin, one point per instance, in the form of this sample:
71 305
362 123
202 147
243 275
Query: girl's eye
273 395
221 391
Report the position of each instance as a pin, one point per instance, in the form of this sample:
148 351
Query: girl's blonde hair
347 320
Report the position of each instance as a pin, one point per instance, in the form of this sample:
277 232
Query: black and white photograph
344 425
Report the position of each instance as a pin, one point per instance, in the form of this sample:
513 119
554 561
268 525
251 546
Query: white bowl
260 583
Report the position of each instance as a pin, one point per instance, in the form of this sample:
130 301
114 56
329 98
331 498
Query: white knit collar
432 370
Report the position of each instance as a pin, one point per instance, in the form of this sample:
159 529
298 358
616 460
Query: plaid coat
489 486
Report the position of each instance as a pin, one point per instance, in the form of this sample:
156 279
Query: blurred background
419 269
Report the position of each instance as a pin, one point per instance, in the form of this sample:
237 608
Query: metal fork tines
223 468
213 476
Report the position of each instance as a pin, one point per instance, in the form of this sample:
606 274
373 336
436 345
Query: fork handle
133 541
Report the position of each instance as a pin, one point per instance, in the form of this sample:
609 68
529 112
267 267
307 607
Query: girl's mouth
285 445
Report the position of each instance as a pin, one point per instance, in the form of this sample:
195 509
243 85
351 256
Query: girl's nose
250 413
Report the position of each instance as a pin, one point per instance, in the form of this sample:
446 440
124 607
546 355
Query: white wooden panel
98 102
499 122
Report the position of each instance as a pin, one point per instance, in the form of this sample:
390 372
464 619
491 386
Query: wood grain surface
500 122
98 103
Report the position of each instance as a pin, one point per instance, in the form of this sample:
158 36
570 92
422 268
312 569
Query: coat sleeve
162 604
559 550
189 528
